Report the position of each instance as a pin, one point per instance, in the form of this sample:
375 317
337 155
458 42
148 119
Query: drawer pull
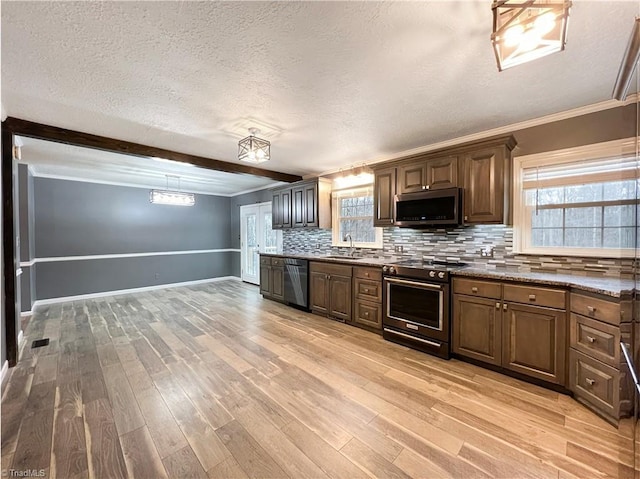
591 339
590 381
474 290
366 290
366 313
366 274
504 307
591 309
532 297
497 305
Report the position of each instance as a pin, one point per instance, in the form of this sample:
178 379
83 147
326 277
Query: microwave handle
419 284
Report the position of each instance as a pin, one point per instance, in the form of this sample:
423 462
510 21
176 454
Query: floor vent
38 343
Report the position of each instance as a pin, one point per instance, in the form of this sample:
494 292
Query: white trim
20 338
556 157
5 370
24 314
62 299
18 272
27 264
55 259
266 187
563 115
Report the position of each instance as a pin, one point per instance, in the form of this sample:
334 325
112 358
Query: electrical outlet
486 252
318 245
398 248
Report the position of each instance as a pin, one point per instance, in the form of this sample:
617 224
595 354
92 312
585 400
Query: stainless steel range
416 301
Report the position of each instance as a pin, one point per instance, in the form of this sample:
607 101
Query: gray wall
78 219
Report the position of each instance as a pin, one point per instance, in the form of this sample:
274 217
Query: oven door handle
437 287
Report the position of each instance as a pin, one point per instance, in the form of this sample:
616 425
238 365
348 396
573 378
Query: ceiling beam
71 137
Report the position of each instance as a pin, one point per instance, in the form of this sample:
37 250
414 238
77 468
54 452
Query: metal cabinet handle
504 307
366 290
532 297
328 276
474 290
590 381
366 274
497 305
591 339
366 313
391 220
591 309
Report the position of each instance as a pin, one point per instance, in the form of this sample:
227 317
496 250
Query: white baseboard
26 313
41 302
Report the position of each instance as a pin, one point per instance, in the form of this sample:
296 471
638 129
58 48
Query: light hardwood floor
213 381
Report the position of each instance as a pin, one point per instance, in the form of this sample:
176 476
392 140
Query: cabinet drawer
551 298
596 339
368 290
328 268
368 314
277 261
596 308
266 260
595 382
374 274
474 287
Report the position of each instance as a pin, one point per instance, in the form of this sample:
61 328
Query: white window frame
336 240
522 213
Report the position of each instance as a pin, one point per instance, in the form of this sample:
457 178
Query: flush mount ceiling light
253 149
525 30
169 197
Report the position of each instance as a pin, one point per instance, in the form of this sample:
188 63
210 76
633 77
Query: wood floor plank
141 456
183 381
184 463
253 459
103 445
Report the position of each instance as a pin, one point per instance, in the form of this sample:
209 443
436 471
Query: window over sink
352 214
578 202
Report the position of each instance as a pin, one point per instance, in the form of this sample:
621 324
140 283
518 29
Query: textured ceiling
333 83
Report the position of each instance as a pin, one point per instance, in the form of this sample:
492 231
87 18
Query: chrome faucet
351 248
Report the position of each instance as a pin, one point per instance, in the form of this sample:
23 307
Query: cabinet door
276 210
477 328
484 186
285 202
319 292
340 297
310 207
265 280
298 207
534 341
383 197
412 177
277 282
442 172
368 315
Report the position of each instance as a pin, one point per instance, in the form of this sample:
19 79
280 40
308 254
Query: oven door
417 307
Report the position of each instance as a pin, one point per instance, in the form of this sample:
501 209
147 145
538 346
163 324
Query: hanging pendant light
172 197
525 30
253 149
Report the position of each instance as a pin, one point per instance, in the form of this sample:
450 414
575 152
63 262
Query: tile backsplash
464 244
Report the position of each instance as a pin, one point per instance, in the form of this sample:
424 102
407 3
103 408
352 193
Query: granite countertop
613 287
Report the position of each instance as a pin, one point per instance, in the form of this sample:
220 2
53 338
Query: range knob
392 270
441 274
385 269
432 274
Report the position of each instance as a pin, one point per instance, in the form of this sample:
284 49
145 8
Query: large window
581 201
353 215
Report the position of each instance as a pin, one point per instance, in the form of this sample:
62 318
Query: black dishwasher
296 282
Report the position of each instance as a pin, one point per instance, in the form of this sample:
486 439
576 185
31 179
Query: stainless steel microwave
429 208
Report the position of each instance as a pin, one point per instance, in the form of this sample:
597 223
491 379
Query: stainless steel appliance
296 282
416 304
429 208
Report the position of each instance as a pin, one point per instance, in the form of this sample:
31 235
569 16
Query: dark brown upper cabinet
306 204
383 192
427 174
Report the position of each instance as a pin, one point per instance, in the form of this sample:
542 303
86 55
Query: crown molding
507 129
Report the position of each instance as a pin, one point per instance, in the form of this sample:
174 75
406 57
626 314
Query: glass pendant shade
525 30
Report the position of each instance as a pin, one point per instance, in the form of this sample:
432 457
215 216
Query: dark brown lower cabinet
525 338
330 290
272 278
477 328
535 341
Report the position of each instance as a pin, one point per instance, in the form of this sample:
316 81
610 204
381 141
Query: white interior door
256 236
